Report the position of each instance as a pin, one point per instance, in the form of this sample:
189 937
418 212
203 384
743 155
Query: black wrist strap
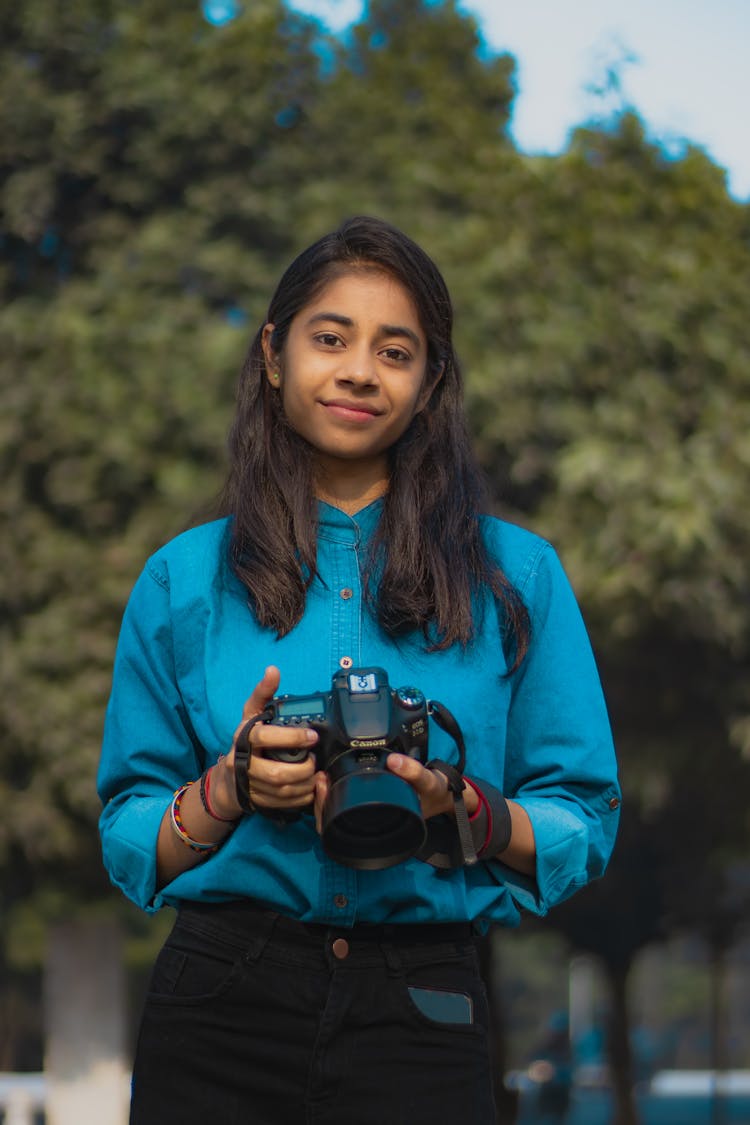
449 842
456 785
461 843
243 752
495 810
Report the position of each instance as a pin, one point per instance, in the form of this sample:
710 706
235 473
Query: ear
272 360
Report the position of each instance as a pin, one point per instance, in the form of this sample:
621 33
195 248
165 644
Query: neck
351 491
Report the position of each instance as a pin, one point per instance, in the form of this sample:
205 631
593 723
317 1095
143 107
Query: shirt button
340 901
614 803
346 593
345 662
340 948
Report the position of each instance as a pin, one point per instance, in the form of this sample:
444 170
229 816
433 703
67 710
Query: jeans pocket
447 994
193 976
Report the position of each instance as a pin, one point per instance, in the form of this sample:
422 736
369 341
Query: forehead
366 295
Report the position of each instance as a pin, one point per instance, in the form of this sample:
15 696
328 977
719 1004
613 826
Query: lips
351 411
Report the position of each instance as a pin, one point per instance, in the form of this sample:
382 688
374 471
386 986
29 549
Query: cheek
417 402
299 408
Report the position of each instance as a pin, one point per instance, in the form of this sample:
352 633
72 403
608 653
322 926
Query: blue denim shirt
190 652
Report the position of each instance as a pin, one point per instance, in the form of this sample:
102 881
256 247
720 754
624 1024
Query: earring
275 375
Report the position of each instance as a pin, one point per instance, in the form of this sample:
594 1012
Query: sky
684 66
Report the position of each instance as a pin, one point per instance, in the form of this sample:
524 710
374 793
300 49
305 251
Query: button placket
345 606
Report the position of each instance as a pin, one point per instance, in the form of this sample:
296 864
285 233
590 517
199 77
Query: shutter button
340 948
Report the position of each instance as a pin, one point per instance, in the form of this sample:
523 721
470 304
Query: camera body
372 818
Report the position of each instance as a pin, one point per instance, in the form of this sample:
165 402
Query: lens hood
372 820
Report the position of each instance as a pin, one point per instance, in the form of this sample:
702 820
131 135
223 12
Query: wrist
471 799
492 825
220 793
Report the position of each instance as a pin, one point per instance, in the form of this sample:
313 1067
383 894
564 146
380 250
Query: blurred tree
411 123
144 159
141 217
616 419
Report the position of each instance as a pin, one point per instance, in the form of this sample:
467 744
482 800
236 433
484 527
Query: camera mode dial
411 698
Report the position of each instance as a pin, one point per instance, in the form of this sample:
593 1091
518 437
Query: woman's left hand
431 787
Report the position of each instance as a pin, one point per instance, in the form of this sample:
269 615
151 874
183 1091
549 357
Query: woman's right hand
273 784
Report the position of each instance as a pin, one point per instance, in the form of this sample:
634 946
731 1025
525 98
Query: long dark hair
428 555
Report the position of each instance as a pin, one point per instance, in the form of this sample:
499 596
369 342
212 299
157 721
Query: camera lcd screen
313 705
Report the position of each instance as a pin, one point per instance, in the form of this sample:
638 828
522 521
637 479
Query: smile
351 411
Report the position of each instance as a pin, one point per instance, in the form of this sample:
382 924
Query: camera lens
372 820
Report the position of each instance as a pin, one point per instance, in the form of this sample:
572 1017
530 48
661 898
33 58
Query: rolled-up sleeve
149 748
560 759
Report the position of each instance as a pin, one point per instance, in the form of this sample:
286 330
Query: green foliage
140 181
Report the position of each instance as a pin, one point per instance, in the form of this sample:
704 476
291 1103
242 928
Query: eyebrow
384 330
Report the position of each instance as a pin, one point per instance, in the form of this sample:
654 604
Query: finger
266 738
273 774
426 782
263 692
431 786
321 796
280 784
285 798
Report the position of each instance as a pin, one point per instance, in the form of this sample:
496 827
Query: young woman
298 986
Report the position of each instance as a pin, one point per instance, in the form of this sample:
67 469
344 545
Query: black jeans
254 1019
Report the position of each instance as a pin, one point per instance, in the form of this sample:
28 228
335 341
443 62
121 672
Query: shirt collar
336 525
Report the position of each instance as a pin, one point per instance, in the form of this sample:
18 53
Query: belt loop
392 958
263 925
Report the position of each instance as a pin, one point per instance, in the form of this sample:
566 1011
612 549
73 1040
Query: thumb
263 691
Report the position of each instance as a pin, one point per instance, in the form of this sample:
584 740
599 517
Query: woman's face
353 371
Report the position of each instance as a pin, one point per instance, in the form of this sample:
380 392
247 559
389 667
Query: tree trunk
625 1111
84 1025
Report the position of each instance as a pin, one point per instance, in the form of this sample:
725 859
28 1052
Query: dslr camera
372 819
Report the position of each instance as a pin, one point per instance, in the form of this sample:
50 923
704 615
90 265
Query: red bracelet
205 791
483 805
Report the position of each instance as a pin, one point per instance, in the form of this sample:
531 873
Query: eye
396 355
328 339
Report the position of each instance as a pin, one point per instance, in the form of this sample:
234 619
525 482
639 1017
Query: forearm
520 853
174 854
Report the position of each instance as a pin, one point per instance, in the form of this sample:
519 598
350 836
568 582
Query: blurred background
160 163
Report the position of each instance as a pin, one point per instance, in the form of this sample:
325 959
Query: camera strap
243 752
440 848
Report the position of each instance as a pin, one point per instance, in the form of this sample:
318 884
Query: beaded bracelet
194 845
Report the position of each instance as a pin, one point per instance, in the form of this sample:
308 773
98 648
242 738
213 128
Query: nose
360 370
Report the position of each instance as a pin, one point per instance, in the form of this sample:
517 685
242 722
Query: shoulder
532 566
200 552
517 551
